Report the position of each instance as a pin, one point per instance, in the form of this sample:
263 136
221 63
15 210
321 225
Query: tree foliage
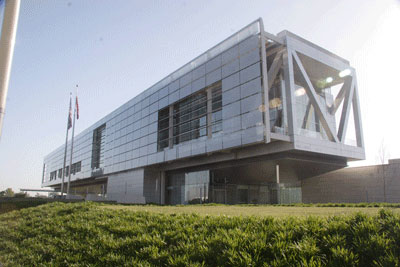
7 193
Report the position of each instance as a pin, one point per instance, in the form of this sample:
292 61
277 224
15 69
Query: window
53 175
78 166
276 112
67 171
307 118
216 99
73 168
190 117
98 147
59 173
188 187
163 128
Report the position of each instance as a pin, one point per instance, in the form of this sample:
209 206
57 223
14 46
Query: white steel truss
286 58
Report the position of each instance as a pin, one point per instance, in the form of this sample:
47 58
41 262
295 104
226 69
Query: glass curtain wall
98 147
163 128
277 117
197 116
208 186
224 191
276 93
190 118
307 120
216 104
188 187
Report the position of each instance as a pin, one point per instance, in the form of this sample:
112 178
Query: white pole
65 158
66 145
72 145
7 41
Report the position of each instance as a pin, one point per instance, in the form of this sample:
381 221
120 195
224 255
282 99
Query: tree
9 192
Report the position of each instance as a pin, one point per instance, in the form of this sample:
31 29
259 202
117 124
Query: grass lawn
248 210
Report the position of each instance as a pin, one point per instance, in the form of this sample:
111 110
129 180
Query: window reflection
190 117
188 188
276 107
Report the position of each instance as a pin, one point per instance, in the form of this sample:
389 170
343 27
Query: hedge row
82 234
347 205
8 204
323 205
11 204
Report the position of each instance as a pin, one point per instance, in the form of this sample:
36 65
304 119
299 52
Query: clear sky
116 49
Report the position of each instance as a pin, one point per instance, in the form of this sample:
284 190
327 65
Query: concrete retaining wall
358 184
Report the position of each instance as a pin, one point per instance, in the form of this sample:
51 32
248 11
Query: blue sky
116 49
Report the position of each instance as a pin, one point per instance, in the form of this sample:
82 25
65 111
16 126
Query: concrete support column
162 187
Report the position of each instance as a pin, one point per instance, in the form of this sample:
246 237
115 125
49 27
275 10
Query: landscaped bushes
8 204
11 203
82 234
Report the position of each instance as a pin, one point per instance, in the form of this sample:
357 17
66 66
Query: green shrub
83 234
11 204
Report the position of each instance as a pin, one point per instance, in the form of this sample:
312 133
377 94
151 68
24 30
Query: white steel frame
286 57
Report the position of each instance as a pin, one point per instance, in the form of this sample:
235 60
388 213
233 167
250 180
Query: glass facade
188 187
98 147
163 128
53 175
276 94
277 112
190 118
216 103
307 120
76 167
209 104
197 116
223 186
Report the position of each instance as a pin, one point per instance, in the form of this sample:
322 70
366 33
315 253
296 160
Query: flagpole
65 152
7 41
72 144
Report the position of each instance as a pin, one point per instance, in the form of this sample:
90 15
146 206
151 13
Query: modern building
245 122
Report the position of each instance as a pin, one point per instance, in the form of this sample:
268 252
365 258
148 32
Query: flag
70 113
77 107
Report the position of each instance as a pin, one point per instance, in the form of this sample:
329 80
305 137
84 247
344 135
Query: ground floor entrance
254 183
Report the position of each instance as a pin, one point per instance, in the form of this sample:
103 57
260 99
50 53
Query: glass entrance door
188 187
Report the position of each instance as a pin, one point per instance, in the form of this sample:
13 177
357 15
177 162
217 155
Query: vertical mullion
171 127
267 128
209 113
289 87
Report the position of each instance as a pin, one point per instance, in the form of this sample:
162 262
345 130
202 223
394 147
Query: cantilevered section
277 106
